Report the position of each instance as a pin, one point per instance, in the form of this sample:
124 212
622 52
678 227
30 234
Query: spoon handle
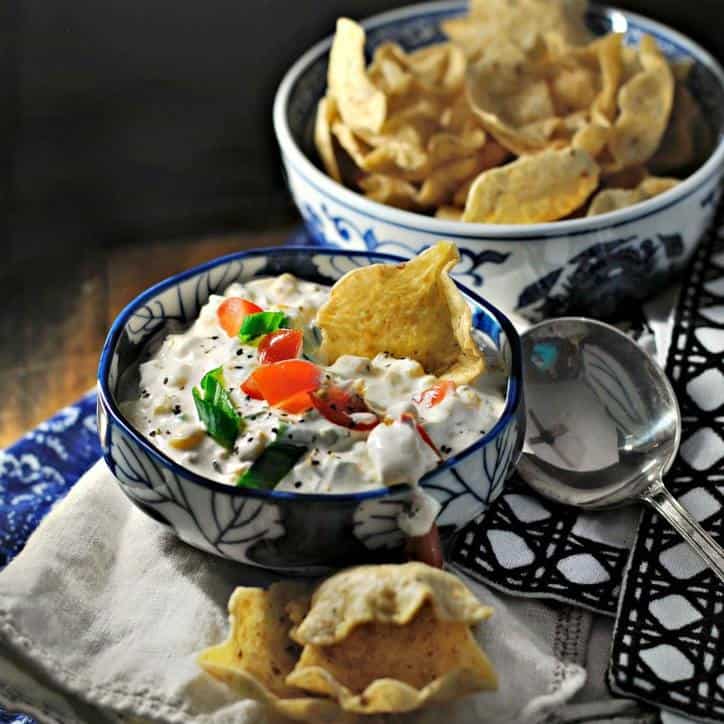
710 551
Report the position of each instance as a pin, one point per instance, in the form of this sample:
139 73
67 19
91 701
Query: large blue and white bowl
286 531
594 266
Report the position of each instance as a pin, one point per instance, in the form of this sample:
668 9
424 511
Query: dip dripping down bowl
302 533
595 266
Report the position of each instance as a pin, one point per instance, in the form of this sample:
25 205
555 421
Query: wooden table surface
52 327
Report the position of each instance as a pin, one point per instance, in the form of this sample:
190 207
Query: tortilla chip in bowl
542 77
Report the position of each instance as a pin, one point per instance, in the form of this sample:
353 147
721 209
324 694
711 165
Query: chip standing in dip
258 393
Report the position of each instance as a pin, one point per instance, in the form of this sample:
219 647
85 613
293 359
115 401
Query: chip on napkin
258 654
385 639
407 310
371 640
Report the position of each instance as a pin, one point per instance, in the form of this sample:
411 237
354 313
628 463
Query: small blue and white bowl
592 266
285 531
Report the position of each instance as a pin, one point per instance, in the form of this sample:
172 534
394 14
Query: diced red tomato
281 380
436 394
231 313
422 432
249 387
297 404
280 345
338 405
426 548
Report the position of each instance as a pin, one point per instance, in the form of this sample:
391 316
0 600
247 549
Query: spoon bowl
603 424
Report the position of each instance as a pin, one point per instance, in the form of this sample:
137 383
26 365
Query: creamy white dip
337 459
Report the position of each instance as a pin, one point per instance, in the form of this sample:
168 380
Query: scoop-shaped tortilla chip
391 639
511 98
409 310
645 103
524 22
543 187
614 199
360 103
538 99
388 667
258 655
390 594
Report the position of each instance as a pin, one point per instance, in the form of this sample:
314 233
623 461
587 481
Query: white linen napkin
103 613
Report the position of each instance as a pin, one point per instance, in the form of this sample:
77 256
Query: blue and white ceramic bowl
281 530
592 266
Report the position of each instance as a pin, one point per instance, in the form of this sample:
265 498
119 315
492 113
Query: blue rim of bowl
512 394
502 233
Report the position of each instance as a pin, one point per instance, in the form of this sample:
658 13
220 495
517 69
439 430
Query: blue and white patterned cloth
40 469
35 473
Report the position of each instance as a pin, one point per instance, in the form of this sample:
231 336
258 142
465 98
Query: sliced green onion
261 323
272 465
213 405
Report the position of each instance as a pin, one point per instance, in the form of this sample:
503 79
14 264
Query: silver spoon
603 424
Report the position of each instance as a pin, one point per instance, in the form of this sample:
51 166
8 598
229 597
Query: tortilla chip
592 138
440 186
326 115
512 99
389 668
391 639
258 643
388 70
445 147
535 100
409 310
645 103
610 59
524 22
355 148
391 594
395 153
360 103
613 199
438 69
389 190
258 655
543 187
449 213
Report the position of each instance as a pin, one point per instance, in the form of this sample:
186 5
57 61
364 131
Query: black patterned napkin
528 546
668 645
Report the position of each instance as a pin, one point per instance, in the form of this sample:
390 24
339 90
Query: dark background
131 121
135 142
